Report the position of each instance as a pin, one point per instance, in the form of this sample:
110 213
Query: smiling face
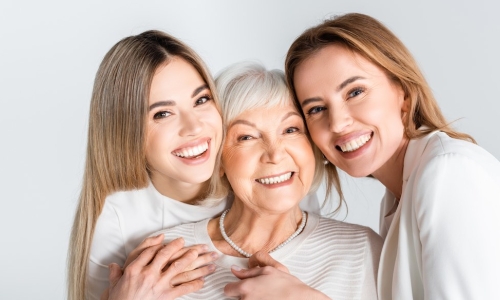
184 127
353 111
268 159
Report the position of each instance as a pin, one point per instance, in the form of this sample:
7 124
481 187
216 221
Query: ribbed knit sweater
336 258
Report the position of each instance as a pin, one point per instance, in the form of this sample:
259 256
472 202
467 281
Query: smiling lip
275 181
353 142
194 153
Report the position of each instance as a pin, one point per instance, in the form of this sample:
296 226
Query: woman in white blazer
371 112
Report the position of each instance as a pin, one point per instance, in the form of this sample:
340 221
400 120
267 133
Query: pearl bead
246 254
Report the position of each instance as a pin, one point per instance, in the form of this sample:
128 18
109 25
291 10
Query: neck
189 193
254 230
391 173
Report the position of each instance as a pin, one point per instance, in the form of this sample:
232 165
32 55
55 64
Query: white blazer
444 239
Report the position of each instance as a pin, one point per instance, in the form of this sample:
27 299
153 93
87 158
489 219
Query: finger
163 256
144 258
115 273
235 289
202 260
262 259
146 243
246 273
200 248
184 289
188 276
178 266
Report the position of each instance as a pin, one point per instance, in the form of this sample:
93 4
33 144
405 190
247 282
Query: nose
190 124
274 152
339 118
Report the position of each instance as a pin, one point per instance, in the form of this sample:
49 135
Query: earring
325 161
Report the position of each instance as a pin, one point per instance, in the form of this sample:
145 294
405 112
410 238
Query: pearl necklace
246 254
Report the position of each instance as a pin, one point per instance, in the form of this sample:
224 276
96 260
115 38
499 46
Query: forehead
175 77
265 116
334 61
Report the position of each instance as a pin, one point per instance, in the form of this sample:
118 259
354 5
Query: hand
268 279
155 274
204 257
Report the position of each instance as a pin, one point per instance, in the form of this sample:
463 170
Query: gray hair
248 85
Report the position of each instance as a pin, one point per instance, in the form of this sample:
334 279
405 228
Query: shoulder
439 144
348 233
124 198
437 153
187 231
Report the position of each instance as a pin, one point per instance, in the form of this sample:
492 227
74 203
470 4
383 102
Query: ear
405 107
221 170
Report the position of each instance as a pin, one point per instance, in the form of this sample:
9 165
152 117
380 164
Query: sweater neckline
226 261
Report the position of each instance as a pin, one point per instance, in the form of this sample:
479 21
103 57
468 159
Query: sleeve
107 247
371 260
457 210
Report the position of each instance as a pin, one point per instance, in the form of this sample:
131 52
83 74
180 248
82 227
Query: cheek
305 159
319 133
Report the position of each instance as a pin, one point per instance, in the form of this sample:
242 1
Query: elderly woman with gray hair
270 164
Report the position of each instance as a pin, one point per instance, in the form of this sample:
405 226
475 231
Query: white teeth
277 179
192 151
356 143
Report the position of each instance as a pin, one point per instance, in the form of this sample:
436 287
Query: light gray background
50 51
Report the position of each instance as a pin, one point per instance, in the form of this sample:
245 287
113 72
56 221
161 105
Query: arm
268 279
456 207
107 247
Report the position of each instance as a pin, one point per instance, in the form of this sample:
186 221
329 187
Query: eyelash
244 137
206 96
295 129
351 94
161 114
315 110
357 90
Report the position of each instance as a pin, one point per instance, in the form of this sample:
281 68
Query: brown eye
161 115
203 99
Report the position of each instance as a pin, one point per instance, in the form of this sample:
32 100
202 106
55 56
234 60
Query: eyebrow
248 123
339 88
162 103
244 122
199 89
347 81
292 113
173 103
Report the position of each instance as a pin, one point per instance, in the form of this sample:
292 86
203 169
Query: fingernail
214 255
204 248
236 268
211 267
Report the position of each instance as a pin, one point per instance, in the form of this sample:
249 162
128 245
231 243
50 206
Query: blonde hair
248 85
369 38
116 157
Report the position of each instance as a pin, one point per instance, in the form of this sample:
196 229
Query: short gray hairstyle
249 85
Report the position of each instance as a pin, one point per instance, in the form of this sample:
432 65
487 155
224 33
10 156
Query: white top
128 217
336 258
444 240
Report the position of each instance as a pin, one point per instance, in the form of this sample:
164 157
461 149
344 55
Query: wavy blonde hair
369 38
116 157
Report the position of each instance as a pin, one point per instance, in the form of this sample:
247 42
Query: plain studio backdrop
50 52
